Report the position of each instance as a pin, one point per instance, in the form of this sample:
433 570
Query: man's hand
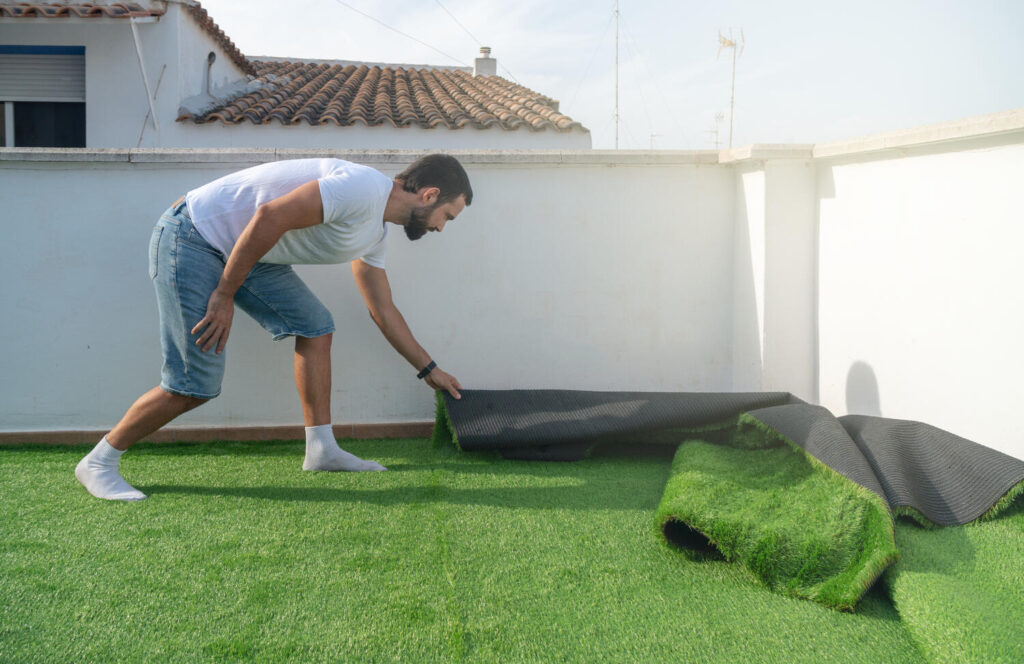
217 321
440 380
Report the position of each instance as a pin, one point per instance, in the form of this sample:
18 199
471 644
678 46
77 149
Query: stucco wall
600 273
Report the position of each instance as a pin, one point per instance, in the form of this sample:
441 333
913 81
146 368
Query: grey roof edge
259 155
322 61
987 125
64 154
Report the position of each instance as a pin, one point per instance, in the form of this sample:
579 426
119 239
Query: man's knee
321 342
185 403
193 402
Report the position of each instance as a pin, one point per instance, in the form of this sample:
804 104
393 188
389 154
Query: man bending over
233 241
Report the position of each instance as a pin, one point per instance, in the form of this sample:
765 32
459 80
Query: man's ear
429 195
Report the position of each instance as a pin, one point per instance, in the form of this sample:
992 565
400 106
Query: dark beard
417 225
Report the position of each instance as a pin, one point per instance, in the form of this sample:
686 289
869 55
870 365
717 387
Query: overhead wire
639 87
459 23
407 36
593 55
675 116
472 36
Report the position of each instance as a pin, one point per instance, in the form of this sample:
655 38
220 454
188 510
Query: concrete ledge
207 434
202 156
992 124
761 152
64 154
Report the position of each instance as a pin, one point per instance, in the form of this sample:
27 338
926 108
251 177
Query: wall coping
257 155
989 125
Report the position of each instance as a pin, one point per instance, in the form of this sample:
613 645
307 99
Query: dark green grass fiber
238 555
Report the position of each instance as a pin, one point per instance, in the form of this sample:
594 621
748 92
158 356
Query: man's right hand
440 380
217 321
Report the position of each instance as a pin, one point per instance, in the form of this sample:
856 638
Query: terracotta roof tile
80 10
320 94
345 95
206 23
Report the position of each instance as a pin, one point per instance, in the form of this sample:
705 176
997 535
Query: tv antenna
719 116
723 42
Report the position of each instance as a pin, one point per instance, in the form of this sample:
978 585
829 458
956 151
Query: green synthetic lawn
448 556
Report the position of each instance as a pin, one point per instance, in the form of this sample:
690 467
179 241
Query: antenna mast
730 43
616 74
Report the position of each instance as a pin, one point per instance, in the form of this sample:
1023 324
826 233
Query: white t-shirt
353 199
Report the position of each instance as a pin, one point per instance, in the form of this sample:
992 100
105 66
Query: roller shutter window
42 89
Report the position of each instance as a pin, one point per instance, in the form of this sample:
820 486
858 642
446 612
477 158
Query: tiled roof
80 10
320 94
345 94
207 24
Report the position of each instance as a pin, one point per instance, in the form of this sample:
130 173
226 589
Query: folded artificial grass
802 529
805 500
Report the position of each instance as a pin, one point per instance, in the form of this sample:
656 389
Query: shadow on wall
747 352
862 390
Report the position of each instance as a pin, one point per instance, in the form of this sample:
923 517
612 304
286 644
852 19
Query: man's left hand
439 380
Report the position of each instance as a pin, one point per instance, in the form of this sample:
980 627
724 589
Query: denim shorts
185 270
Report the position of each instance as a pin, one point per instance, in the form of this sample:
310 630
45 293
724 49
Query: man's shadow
586 487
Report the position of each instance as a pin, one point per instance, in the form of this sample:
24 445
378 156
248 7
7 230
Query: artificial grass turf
960 591
239 555
801 527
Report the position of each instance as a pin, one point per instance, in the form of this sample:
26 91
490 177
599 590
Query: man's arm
373 284
297 209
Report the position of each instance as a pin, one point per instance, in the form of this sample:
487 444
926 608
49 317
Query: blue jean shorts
185 270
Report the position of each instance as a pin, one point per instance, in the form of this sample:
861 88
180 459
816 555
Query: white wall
601 273
174 50
921 270
879 275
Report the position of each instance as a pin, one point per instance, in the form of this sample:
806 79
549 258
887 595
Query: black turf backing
947 478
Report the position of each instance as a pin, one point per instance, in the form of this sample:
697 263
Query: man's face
431 218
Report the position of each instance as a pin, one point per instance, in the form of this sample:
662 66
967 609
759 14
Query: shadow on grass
572 497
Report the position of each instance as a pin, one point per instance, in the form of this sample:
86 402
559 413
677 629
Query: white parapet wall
877 276
921 269
580 270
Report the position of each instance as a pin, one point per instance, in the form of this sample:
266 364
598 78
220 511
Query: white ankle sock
323 453
98 472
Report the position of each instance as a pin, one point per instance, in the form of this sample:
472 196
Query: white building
162 74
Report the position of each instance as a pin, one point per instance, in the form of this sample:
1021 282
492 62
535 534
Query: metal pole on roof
142 66
731 43
616 74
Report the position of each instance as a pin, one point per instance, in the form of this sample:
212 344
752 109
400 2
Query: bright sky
811 70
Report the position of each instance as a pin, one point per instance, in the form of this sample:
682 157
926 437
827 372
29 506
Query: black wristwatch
426 370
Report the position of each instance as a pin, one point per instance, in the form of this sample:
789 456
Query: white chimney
485 65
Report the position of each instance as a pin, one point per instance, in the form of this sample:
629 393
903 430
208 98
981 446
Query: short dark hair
437 170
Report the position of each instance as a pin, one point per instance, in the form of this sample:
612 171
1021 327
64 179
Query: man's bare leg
151 411
99 472
313 380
